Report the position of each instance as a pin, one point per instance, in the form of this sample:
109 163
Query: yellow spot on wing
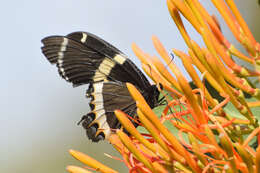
119 59
84 38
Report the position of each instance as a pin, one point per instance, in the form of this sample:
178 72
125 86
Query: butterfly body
83 58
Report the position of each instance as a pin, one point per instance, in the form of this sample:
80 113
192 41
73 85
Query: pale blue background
39 110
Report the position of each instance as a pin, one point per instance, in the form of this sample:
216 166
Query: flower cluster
210 138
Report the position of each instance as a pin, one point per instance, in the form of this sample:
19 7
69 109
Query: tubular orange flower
257 162
76 169
91 162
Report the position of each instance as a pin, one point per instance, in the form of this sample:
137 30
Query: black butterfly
84 58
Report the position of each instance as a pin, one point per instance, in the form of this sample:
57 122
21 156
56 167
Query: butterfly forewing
124 69
76 63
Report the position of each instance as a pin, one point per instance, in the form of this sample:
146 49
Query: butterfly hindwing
105 98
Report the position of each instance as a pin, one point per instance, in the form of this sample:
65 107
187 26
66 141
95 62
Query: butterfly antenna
172 55
150 68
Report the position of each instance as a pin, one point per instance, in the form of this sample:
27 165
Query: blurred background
39 110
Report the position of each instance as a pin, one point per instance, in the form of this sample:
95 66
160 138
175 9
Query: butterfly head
153 96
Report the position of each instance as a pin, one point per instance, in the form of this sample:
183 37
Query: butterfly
84 58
